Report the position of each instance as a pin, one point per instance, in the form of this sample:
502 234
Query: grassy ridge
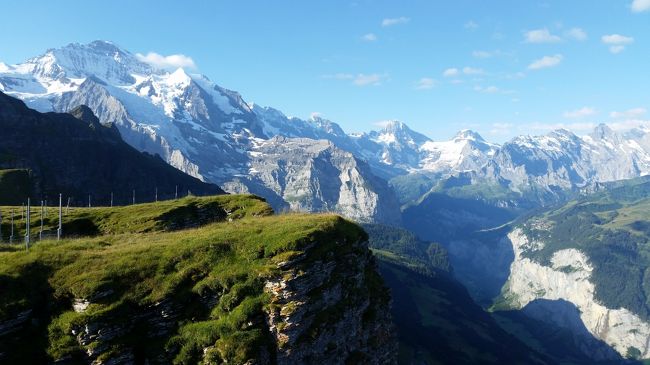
210 279
139 218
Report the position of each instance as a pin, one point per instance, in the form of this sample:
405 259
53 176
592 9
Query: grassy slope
139 218
613 229
123 271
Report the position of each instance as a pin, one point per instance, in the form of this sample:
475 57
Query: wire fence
30 223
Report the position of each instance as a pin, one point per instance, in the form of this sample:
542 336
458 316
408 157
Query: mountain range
213 134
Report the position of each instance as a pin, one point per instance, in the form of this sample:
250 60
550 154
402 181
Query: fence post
11 237
176 193
40 233
133 196
111 199
27 224
59 231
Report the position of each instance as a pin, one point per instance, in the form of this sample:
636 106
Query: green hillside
192 294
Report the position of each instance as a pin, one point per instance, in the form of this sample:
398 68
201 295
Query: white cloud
360 79
640 5
394 21
545 62
481 54
425 83
171 62
617 39
629 114
541 36
450 72
370 37
576 34
580 113
315 115
369 79
616 42
472 71
487 90
470 25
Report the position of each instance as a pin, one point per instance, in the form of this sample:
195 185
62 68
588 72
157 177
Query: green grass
121 273
148 217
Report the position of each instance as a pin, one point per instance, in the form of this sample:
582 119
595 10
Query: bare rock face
307 175
530 281
334 313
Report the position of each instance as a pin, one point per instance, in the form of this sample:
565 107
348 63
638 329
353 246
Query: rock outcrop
568 279
306 175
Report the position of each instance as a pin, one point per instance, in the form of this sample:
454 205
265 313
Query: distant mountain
195 125
75 155
307 175
212 133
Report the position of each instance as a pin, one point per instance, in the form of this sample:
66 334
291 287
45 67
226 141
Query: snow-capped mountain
562 161
197 126
212 133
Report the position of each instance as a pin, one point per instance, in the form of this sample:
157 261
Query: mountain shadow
77 156
554 328
438 323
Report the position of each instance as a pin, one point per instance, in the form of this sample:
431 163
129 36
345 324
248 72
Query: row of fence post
26 214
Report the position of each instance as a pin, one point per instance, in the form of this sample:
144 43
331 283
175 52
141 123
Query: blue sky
499 67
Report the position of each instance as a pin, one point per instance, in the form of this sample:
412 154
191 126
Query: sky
502 68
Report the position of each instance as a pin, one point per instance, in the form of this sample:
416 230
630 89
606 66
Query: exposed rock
326 315
306 175
568 279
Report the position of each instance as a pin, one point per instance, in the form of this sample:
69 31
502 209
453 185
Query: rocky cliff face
306 175
334 312
568 279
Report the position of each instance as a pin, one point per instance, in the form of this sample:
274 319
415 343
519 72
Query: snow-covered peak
101 59
179 77
604 132
397 132
468 134
327 126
